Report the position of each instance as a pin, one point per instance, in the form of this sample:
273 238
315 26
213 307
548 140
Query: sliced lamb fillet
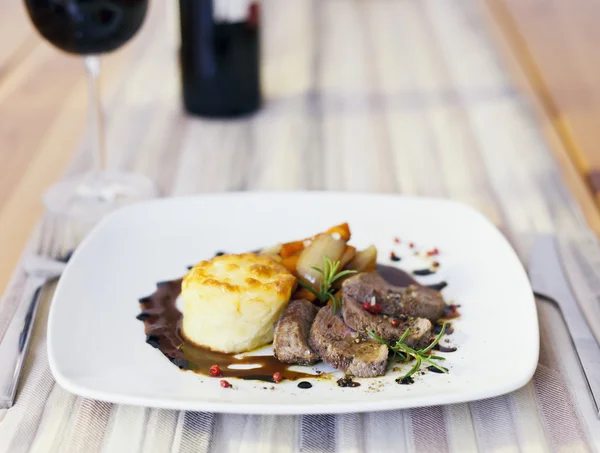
344 349
356 317
415 300
290 343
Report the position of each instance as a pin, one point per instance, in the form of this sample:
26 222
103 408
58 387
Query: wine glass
90 28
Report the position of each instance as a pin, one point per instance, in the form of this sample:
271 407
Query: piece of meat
359 319
344 349
290 343
414 300
422 301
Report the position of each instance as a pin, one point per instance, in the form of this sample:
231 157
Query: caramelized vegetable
303 293
313 255
364 260
343 230
272 250
349 253
295 247
290 262
291 248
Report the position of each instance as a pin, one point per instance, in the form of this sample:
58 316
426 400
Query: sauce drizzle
162 325
423 272
438 286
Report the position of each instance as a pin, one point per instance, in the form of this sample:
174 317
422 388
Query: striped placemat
405 96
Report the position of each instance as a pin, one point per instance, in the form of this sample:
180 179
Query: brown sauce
442 348
395 276
450 312
162 325
398 277
423 272
437 328
436 370
405 381
438 286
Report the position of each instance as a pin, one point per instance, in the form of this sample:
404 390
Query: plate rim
296 408
289 409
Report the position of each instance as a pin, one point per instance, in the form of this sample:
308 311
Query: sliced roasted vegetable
312 257
295 247
364 260
290 262
291 248
271 250
303 293
343 230
347 256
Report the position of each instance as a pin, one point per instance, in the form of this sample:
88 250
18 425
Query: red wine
87 26
220 57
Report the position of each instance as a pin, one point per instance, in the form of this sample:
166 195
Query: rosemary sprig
406 353
330 275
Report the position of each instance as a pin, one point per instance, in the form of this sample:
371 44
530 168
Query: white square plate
97 346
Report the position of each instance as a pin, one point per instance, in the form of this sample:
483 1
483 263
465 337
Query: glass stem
92 66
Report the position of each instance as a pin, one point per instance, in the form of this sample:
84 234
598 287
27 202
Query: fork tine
68 239
52 238
69 235
60 235
45 236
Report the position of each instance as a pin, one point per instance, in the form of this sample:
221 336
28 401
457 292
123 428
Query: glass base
88 198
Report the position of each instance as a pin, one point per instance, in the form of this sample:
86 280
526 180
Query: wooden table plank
403 96
43 116
341 78
17 35
23 128
556 44
528 76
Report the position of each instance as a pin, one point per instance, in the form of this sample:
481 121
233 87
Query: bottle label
232 10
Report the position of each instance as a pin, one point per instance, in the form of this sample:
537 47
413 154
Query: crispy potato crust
232 301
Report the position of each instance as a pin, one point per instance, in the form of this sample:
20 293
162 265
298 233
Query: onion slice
323 246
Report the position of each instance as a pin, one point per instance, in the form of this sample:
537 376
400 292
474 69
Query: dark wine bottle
220 57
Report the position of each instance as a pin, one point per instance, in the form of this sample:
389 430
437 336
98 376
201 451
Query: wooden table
555 44
396 96
43 113
43 106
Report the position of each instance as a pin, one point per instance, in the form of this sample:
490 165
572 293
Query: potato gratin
231 302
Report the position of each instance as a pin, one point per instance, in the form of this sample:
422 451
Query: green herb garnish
330 275
406 353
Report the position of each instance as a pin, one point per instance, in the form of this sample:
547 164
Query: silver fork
42 268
